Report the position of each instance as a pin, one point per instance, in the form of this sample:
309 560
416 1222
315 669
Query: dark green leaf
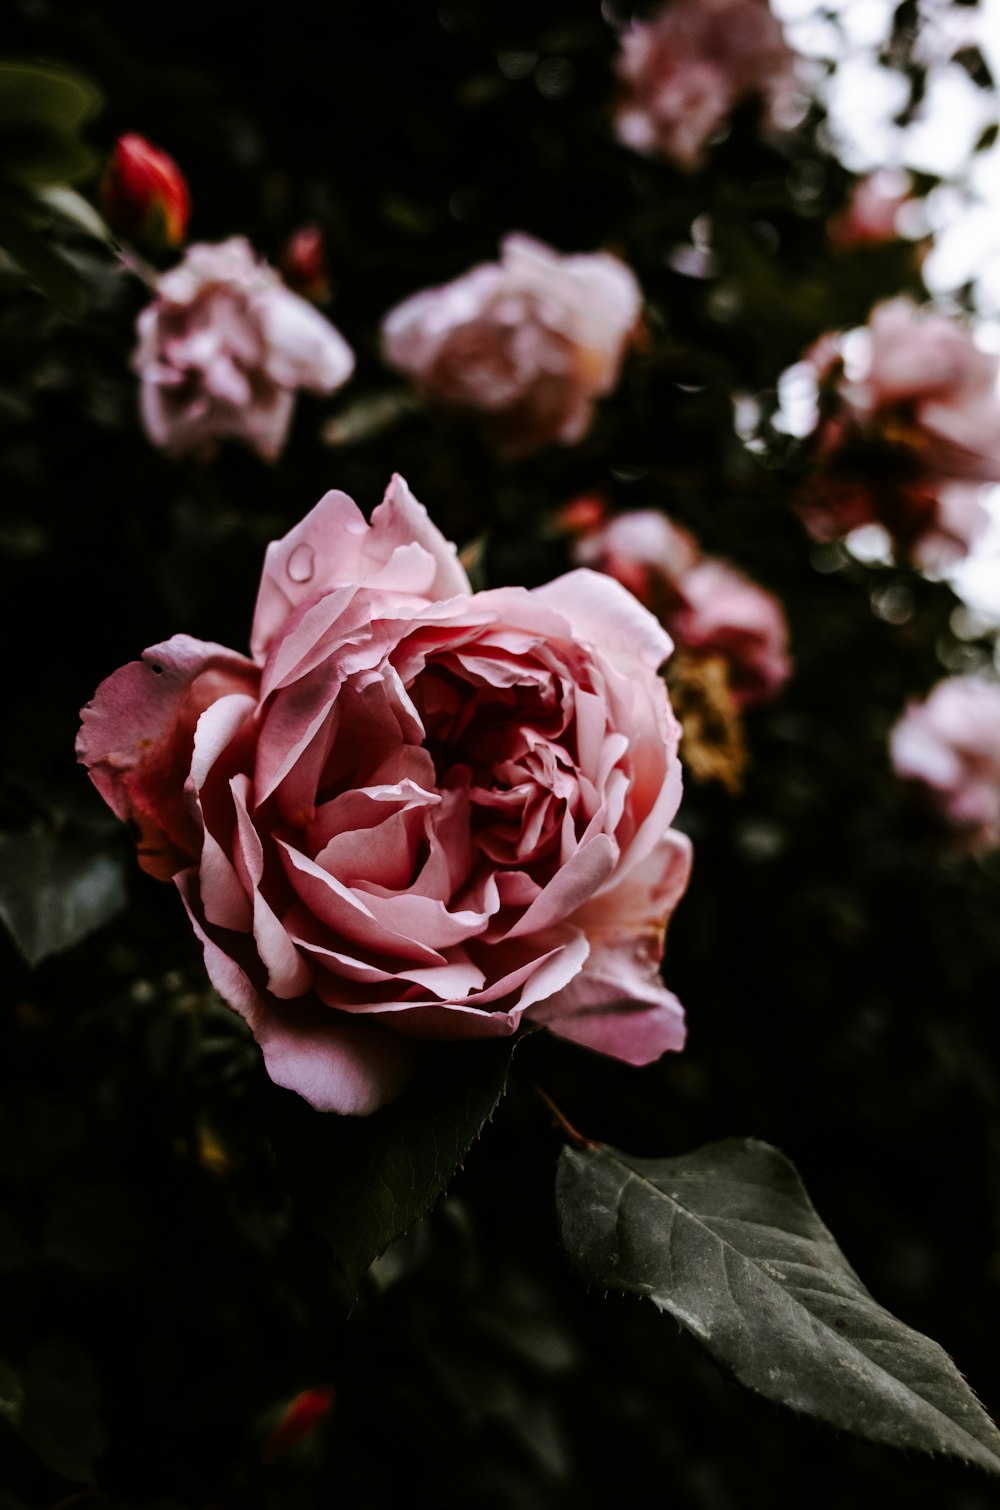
11 1394
60 1416
367 418
727 1241
54 890
361 1181
42 94
33 155
71 207
40 259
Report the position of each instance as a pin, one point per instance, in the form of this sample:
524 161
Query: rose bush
684 72
223 349
527 343
416 812
949 746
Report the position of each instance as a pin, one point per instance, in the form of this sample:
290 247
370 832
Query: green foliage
56 888
43 110
727 1242
362 1181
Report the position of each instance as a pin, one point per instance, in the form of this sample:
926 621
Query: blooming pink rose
222 350
527 343
708 606
910 428
950 745
686 70
417 812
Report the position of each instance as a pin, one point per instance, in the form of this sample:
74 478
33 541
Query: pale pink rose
870 215
925 370
417 812
707 605
950 746
644 551
724 613
910 428
527 343
685 71
223 349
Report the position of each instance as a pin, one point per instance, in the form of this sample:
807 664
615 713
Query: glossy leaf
361 1181
726 1240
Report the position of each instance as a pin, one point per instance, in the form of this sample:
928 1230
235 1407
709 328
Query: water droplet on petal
302 563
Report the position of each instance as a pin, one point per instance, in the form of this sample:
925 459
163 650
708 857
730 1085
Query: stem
562 1121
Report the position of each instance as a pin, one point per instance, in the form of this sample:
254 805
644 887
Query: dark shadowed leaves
55 889
60 1416
727 1241
361 1181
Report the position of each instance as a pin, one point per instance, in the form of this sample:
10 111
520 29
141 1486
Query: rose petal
137 739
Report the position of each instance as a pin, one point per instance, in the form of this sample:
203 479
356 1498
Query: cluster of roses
417 812
527 343
908 433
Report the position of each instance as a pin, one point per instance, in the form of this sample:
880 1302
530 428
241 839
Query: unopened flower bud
144 194
303 263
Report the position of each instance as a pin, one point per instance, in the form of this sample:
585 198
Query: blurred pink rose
950 746
527 343
418 812
723 613
910 426
869 217
686 70
644 551
222 350
707 605
924 370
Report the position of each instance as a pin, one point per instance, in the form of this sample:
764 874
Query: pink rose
950 746
708 606
723 613
644 551
527 343
685 71
222 350
417 812
910 428
923 369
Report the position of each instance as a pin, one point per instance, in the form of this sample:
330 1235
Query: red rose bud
303 263
582 515
299 1419
144 194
